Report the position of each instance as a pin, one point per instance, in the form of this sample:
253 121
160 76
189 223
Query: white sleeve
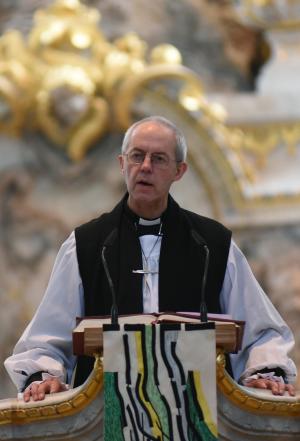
267 338
46 344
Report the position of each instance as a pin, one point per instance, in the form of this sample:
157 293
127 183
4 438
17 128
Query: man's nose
147 163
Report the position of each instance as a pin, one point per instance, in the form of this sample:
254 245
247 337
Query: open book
87 336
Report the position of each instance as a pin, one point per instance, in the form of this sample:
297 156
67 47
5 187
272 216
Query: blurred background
74 76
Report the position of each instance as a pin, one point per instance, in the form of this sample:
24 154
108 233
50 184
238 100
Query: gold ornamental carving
250 403
72 84
26 413
251 144
67 81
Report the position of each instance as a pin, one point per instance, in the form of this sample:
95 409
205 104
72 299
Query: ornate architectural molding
72 84
59 406
280 19
271 14
69 74
78 413
253 401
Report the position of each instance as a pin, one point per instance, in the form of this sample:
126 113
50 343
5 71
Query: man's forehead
153 130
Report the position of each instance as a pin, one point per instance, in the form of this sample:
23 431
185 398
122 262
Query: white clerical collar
148 222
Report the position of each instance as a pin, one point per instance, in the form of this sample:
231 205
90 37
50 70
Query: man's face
148 182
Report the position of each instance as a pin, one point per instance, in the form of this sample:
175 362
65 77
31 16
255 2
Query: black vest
181 265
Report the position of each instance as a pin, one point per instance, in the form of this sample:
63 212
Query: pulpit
78 414
159 373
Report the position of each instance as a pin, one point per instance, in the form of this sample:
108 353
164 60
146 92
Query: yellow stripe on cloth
203 404
140 363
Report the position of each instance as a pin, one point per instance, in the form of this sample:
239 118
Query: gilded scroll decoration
253 404
73 85
25 413
70 76
249 146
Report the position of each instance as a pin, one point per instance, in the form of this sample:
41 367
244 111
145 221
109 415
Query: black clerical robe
181 264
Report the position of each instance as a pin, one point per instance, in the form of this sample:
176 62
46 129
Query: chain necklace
145 269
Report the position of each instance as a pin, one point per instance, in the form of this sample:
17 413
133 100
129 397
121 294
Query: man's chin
144 191
144 196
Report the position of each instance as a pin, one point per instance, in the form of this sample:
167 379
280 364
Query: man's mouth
144 183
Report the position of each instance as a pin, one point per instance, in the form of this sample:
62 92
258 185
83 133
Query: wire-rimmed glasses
159 160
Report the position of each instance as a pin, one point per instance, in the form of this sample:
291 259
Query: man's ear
181 169
121 162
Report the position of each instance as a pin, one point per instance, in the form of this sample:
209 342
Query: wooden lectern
88 339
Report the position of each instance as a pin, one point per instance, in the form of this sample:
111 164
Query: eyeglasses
159 160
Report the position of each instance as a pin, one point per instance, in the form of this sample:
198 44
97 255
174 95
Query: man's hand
38 391
276 387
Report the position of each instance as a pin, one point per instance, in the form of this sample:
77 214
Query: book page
210 315
184 317
129 319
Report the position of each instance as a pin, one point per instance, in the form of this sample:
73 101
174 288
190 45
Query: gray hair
181 145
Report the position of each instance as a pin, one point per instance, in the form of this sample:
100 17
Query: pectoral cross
146 274
144 271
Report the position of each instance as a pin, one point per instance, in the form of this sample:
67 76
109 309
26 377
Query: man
156 265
